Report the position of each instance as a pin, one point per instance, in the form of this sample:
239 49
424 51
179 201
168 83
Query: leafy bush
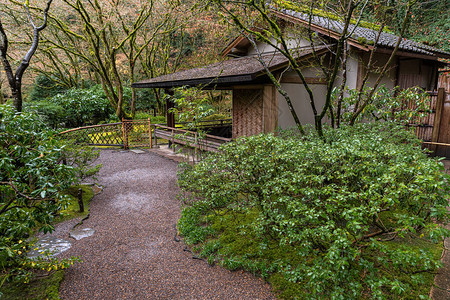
51 113
33 179
44 87
75 108
349 206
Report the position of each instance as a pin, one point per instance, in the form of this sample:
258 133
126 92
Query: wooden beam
248 87
406 54
232 45
309 80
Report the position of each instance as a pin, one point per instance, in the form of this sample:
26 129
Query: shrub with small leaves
349 204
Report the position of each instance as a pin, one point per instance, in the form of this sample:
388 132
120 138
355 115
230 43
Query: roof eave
322 30
434 57
211 81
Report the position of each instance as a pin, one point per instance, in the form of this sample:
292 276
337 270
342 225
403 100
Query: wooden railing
204 142
141 133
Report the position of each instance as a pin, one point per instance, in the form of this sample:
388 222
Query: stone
137 151
79 234
55 246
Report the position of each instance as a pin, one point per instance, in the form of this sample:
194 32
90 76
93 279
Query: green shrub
33 179
158 120
51 113
74 108
44 88
349 205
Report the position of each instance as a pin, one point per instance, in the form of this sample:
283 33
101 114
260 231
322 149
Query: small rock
79 234
137 151
54 245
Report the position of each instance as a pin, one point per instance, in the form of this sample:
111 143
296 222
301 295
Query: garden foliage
33 179
75 108
349 206
402 106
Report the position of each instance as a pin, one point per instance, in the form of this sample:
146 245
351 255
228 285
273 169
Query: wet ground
131 251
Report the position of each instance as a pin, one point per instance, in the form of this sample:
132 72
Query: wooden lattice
136 133
97 135
247 112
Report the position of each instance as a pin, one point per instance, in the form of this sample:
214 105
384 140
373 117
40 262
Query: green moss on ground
73 210
39 288
227 239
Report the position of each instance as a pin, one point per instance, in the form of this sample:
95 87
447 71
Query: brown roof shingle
235 71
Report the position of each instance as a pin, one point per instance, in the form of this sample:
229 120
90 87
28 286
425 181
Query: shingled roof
368 35
237 71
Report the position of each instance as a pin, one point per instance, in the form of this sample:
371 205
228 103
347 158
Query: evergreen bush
349 206
33 178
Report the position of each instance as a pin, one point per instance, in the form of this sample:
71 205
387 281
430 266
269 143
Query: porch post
170 115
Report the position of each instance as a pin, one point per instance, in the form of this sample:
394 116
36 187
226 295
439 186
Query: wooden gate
434 126
137 133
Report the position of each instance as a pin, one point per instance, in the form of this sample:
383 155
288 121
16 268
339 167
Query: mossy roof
364 35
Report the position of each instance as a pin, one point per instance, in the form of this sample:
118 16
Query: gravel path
441 290
133 254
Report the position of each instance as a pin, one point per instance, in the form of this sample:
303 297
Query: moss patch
73 210
39 288
229 239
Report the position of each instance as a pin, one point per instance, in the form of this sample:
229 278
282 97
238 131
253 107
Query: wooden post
438 117
172 144
196 145
80 200
125 134
150 132
170 115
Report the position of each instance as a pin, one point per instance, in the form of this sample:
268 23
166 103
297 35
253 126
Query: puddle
125 203
79 234
54 245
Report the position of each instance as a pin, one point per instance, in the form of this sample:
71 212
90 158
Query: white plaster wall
352 70
262 47
380 60
300 100
292 42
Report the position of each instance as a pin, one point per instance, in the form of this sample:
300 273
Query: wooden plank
443 135
270 109
438 115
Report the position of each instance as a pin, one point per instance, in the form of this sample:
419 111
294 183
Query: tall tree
259 21
15 78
